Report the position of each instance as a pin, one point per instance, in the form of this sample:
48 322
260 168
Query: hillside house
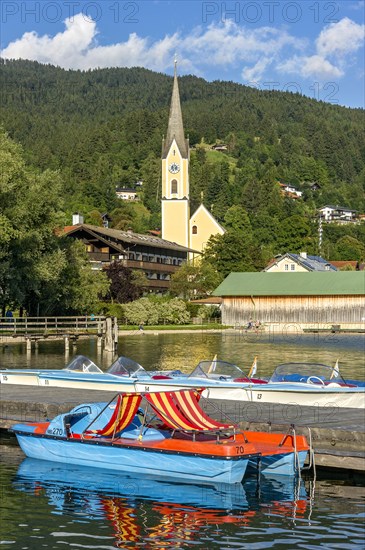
339 214
290 191
294 263
127 194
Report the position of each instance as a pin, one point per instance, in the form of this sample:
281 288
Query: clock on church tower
174 168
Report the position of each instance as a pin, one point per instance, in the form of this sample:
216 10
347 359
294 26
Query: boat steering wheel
314 380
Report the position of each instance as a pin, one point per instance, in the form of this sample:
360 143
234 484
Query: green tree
39 271
349 248
123 287
195 280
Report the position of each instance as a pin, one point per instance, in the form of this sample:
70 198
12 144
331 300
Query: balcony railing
150 266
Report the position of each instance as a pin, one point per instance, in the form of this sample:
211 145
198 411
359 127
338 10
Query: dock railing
51 326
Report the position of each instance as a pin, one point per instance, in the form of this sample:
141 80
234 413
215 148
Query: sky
312 47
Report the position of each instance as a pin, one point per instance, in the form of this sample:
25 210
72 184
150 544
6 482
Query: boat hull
22 377
320 396
285 464
135 460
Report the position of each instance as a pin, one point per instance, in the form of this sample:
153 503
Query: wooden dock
33 330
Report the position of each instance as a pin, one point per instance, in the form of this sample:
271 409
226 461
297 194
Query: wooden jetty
32 330
338 435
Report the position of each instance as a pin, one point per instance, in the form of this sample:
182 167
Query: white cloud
220 45
255 73
336 41
76 48
216 45
310 66
340 38
229 43
75 40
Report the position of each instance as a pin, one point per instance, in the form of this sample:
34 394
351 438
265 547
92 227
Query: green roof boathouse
295 301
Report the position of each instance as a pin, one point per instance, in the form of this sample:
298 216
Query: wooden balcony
150 266
156 267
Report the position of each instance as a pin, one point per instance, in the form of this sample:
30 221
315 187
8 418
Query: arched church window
173 187
194 230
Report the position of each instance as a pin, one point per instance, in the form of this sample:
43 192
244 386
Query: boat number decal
240 450
5 378
259 395
46 382
56 431
146 388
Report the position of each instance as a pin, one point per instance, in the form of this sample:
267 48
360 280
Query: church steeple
175 129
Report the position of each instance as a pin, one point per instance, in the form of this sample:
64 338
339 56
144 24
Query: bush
142 311
174 312
154 310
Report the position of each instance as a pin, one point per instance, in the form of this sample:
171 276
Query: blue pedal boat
186 443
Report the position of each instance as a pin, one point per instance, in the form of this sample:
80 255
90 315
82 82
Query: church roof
175 129
202 208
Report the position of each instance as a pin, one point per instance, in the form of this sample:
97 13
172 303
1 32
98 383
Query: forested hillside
103 128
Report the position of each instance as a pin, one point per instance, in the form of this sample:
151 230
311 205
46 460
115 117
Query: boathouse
316 300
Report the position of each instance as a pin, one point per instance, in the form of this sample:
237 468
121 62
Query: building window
292 267
194 230
173 187
286 267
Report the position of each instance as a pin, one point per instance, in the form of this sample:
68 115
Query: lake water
45 505
184 351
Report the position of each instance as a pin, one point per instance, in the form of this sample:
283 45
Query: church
177 225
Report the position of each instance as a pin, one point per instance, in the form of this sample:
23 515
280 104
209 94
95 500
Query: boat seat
161 377
125 410
181 411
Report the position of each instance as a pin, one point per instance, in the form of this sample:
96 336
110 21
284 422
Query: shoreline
284 331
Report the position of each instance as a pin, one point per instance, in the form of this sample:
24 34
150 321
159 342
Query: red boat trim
139 448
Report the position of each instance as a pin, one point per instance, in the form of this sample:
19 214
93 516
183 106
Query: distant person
140 328
257 325
9 315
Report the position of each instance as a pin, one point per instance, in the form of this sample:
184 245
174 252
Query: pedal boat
186 445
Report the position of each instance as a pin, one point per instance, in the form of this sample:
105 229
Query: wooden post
29 344
115 330
100 341
109 340
67 344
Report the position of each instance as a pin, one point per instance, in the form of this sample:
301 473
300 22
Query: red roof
353 263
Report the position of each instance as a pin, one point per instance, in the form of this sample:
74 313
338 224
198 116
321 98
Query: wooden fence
48 326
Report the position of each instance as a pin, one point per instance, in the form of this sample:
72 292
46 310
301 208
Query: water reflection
184 351
155 511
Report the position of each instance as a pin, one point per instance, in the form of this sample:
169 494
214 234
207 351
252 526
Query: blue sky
314 47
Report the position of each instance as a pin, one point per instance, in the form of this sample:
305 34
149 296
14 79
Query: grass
208 326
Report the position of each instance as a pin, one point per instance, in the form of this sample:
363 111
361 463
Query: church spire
175 129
